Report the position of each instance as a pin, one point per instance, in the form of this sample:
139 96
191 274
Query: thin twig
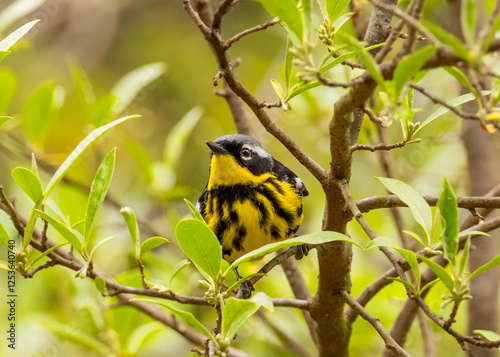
380 146
351 203
439 101
389 201
375 322
447 324
246 32
12 212
418 37
47 264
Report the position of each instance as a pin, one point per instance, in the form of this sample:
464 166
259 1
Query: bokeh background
159 164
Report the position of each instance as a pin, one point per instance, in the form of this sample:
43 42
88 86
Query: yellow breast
247 211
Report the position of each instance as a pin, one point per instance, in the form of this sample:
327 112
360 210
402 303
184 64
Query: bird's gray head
247 151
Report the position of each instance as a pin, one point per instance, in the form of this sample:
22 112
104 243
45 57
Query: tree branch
389 201
375 322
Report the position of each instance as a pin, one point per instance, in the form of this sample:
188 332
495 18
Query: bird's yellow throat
225 171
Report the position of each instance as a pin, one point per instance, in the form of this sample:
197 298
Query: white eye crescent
246 153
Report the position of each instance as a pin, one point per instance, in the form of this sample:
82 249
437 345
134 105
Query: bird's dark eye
246 153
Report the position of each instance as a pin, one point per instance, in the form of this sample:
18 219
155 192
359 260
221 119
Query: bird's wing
284 174
202 202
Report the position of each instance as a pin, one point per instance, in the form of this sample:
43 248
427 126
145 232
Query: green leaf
140 335
300 89
98 191
453 103
382 242
263 300
428 285
420 210
447 205
440 272
288 12
448 39
3 119
332 9
17 10
196 214
98 245
484 268
44 254
365 57
30 227
409 66
468 21
186 316
491 35
4 54
4 265
79 150
141 157
83 88
102 110
131 222
278 89
464 262
100 284
40 109
152 243
200 245
127 88
34 166
72 236
29 183
415 236
460 77
15 36
73 334
489 335
408 255
411 258
405 283
313 238
288 64
7 89
8 231
177 269
472 233
178 135
236 312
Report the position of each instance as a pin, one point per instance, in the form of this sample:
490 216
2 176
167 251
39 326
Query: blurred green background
82 42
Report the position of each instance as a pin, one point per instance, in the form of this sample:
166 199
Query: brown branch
328 83
439 101
372 289
380 146
411 21
9 208
351 203
217 42
447 324
375 322
301 291
47 264
251 30
389 201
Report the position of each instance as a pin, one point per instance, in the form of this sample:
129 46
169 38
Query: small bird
250 199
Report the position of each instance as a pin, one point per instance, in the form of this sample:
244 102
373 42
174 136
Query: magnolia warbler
250 199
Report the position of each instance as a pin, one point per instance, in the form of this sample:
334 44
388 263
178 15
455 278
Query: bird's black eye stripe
246 153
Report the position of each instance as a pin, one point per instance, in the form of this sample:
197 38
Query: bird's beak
216 149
